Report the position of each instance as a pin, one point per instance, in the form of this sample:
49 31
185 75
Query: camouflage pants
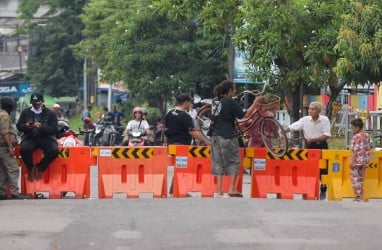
9 172
357 173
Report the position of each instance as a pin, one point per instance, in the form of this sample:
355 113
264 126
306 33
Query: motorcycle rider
118 115
86 123
106 116
137 125
57 110
144 114
104 133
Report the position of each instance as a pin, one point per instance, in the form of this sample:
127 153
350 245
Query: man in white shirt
316 130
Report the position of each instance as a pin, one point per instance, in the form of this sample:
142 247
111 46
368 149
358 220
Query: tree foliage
162 47
360 44
292 44
52 65
156 57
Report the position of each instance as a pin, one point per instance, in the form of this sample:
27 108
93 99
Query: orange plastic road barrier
192 171
297 173
132 170
69 172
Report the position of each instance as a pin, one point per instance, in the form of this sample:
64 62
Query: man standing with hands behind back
39 127
316 130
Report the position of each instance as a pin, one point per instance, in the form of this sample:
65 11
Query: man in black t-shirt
225 156
179 126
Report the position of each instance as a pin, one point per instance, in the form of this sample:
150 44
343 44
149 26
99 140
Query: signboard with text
16 89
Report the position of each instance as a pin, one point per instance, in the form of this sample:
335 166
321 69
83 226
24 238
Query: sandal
40 196
235 195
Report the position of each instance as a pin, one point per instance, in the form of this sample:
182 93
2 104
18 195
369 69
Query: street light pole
85 84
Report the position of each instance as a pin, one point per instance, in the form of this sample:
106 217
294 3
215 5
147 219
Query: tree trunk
293 103
335 89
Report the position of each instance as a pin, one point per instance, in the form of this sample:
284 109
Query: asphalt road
190 223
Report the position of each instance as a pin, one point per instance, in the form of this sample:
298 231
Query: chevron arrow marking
63 153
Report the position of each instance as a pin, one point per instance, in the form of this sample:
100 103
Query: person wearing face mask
39 127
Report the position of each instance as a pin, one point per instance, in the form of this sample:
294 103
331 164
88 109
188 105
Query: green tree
156 57
360 44
291 43
52 65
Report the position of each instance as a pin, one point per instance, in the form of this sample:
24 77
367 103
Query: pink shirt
360 149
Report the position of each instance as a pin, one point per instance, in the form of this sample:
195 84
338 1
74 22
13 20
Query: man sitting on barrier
39 127
179 126
316 130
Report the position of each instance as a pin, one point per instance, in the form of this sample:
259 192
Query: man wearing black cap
39 126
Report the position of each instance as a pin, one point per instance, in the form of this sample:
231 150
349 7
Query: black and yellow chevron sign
133 153
199 152
372 165
63 153
292 154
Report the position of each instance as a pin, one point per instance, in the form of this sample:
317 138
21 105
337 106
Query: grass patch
337 143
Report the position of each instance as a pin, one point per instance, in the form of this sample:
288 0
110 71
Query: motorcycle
119 133
104 134
67 137
137 138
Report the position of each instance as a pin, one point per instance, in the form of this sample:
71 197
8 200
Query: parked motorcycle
67 137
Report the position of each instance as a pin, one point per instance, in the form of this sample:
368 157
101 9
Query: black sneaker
4 197
323 189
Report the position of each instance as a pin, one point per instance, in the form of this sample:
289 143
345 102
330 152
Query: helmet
62 128
62 125
144 111
56 105
87 120
137 109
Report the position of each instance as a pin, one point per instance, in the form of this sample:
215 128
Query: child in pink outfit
360 154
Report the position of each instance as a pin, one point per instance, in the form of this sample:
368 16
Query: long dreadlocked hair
223 88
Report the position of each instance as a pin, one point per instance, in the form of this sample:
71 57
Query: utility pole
231 59
85 84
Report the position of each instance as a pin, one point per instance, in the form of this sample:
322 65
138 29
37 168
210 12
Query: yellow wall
379 98
354 101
